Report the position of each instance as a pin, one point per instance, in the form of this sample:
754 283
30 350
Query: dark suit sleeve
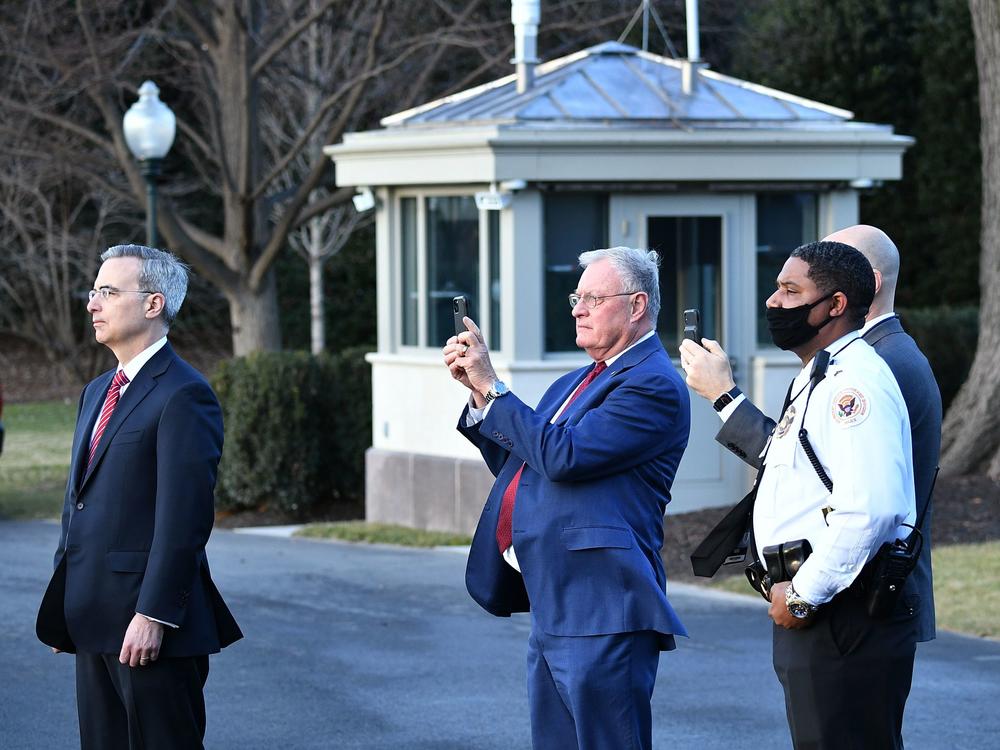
493 454
188 449
630 427
66 513
745 432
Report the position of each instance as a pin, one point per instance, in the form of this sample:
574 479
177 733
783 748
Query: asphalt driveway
374 647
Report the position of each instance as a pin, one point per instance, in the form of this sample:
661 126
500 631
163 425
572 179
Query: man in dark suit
745 428
573 526
131 595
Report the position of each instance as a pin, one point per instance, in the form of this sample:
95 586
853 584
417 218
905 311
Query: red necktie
110 401
504 524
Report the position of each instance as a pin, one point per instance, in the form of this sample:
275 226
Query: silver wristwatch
797 606
498 389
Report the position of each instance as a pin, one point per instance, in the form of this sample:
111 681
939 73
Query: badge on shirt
850 407
786 421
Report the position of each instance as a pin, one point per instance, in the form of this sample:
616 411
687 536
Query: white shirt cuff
162 622
476 415
728 409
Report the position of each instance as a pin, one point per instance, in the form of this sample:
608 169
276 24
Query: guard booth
495 191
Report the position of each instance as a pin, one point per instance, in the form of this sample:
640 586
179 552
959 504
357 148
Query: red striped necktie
110 401
505 533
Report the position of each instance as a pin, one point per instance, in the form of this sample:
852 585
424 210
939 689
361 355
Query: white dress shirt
131 369
859 429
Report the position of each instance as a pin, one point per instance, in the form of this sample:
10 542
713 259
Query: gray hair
639 271
161 272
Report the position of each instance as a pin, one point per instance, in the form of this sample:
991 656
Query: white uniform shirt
860 431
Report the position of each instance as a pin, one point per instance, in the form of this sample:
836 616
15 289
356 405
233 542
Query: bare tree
51 238
971 430
230 69
222 67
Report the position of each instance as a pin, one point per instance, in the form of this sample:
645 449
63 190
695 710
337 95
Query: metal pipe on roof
694 40
525 15
689 73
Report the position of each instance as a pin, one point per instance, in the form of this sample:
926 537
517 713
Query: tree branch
288 37
337 198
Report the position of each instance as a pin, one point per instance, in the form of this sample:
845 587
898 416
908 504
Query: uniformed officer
845 675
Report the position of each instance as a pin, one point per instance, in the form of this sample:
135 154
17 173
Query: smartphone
460 306
692 325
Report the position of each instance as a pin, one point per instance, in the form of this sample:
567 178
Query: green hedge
947 335
297 427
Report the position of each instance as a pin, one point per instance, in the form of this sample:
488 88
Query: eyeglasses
106 291
592 300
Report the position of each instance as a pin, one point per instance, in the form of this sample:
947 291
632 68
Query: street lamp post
149 127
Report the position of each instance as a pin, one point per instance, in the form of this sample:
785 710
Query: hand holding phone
460 307
692 325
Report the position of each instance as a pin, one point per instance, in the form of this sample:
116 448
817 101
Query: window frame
484 320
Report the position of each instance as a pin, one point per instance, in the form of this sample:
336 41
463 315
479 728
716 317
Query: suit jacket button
79 506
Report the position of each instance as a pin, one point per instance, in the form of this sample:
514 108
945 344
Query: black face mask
789 326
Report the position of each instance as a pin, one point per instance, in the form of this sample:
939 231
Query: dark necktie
110 401
504 524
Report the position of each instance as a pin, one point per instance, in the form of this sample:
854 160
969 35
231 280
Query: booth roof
618 85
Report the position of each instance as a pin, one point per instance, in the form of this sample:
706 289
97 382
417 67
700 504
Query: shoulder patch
850 407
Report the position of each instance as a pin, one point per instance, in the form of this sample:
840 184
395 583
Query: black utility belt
880 582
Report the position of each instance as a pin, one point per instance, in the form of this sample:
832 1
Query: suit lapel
557 403
883 329
138 389
629 359
91 408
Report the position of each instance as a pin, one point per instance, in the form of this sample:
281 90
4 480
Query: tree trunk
971 430
316 262
254 317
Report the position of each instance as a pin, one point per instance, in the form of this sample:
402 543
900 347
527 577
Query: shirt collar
833 348
610 360
135 364
869 324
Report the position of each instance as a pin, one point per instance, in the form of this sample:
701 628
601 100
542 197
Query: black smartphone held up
460 306
692 325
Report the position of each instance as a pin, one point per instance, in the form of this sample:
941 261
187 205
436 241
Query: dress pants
592 692
159 706
846 677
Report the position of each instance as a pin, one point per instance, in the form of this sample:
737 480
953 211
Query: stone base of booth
425 492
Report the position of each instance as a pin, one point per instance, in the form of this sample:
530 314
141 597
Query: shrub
296 430
947 336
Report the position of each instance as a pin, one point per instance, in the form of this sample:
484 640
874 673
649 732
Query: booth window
784 221
690 249
410 290
493 238
452 262
447 248
574 222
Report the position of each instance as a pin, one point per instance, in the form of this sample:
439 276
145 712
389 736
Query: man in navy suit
131 595
573 527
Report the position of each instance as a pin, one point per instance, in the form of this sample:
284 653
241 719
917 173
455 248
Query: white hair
639 271
161 272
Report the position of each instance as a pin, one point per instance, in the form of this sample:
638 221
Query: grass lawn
966 587
381 533
35 458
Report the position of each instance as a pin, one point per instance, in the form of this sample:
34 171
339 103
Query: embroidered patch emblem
850 407
786 421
